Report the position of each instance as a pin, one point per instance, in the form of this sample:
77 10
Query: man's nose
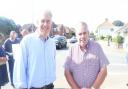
82 35
45 23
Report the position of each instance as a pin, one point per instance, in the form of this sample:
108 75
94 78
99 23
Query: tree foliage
119 39
7 25
118 23
30 27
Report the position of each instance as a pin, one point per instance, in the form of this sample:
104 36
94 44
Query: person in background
35 68
86 64
8 49
24 32
125 46
3 68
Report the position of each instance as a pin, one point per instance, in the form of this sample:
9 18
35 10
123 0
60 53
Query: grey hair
48 13
41 13
83 25
12 32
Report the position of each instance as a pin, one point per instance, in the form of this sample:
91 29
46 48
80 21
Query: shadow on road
63 48
61 88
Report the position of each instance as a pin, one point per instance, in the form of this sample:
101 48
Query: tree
109 39
30 27
7 25
119 40
54 25
18 27
91 33
118 23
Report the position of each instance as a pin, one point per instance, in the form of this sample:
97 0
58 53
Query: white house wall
105 32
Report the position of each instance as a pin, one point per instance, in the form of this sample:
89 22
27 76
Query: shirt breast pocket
92 62
92 59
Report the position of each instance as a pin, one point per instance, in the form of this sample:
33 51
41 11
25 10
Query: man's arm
20 68
100 78
70 80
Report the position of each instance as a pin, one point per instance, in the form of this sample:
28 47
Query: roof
106 25
124 28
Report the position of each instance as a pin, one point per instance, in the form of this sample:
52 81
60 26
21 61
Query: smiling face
44 24
82 34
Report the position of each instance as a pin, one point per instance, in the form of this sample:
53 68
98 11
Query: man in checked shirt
86 64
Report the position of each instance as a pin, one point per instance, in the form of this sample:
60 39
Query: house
123 30
124 33
105 29
60 29
108 28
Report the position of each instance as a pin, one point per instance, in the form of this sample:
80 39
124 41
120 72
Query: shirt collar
42 38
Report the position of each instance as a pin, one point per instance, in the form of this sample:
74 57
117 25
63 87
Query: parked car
61 41
91 37
73 40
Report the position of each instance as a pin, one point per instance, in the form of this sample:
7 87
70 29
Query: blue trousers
11 65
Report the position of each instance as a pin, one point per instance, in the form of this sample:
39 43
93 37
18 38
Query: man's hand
86 88
75 88
3 59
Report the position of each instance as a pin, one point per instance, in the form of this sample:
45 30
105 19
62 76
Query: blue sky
67 12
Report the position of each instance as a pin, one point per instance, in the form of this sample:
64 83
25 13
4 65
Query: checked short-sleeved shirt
85 65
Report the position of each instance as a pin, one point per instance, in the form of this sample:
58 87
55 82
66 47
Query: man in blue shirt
35 68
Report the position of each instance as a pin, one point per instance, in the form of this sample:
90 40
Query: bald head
82 34
82 26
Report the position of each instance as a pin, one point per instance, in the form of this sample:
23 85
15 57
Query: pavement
117 77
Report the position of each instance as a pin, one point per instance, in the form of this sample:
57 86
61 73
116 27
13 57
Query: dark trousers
49 86
11 65
3 75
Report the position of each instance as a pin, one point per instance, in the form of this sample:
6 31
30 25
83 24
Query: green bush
109 37
114 39
119 39
102 37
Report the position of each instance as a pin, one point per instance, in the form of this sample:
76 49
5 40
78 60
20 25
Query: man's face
44 25
24 32
82 36
14 35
